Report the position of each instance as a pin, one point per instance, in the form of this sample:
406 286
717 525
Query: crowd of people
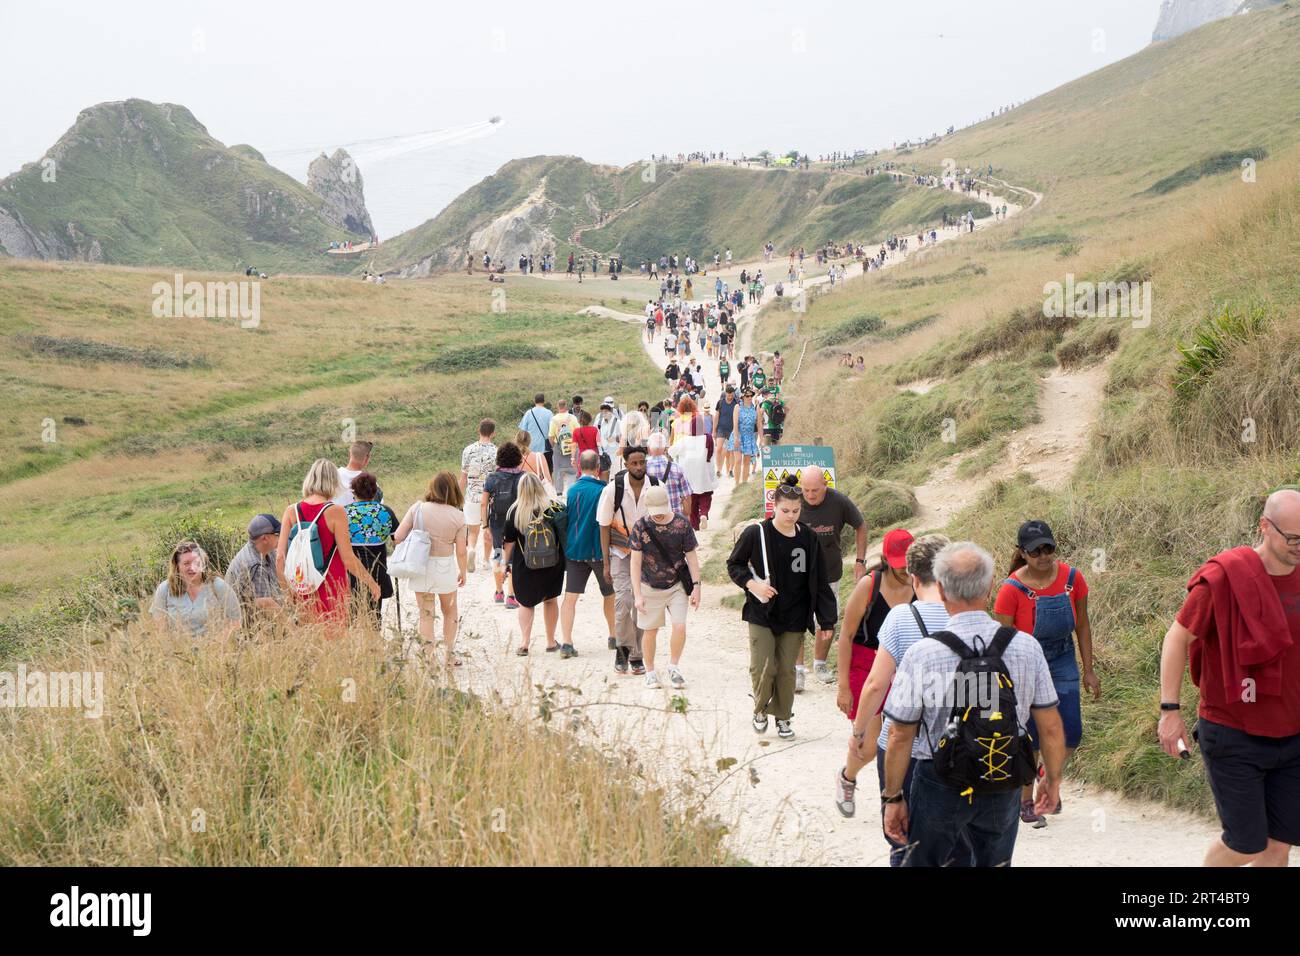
964 688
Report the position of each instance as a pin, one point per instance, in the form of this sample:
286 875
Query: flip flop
553 647
522 652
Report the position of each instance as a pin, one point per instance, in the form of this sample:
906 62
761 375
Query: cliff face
1181 16
140 183
337 180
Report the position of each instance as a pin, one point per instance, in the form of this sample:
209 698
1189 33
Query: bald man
1245 659
827 512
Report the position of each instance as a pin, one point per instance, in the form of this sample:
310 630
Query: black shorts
1256 785
577 572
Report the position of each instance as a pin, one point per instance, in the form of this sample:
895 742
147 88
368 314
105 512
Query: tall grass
292 750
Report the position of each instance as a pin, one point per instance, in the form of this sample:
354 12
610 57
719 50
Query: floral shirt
477 461
370 522
677 539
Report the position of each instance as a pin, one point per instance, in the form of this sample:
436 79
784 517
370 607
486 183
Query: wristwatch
1165 706
860 561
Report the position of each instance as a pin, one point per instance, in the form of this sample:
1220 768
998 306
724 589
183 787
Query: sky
415 83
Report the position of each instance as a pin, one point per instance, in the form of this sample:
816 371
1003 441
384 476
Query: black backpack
503 498
981 750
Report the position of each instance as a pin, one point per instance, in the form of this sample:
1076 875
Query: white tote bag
411 556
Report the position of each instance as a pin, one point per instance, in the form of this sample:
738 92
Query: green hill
537 204
139 183
1141 168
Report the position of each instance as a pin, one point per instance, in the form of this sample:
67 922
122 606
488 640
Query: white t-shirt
345 496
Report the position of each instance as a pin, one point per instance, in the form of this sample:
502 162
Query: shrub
1211 345
851 330
474 357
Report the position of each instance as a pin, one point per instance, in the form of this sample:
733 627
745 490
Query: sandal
552 648
522 652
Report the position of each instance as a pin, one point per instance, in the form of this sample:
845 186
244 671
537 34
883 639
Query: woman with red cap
880 589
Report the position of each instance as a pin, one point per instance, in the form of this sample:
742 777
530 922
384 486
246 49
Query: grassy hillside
690 210
153 418
1169 479
139 183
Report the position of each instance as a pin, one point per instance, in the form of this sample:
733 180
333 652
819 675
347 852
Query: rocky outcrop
1182 16
337 180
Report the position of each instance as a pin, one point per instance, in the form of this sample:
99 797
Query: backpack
713 321
503 498
564 439
983 750
541 544
305 564
777 418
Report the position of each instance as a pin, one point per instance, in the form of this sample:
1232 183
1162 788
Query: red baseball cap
894 547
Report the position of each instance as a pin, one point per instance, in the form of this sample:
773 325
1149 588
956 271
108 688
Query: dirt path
777 797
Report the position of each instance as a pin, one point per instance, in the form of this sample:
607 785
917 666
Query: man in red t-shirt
1241 624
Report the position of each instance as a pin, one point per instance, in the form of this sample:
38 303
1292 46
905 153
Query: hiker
668 472
370 524
563 425
665 573
953 803
636 431
724 419
499 490
586 437
359 453
531 461
1049 599
778 368
534 552
621 506
609 423
537 422
251 573
791 595
582 551
744 437
692 448
906 622
440 514
886 586
331 550
1240 625
193 597
828 512
477 461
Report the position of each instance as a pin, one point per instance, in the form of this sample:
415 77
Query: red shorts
859 668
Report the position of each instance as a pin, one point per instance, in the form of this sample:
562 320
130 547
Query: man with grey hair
663 469
1240 627
922 698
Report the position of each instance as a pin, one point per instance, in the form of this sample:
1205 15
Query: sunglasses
1292 540
1043 549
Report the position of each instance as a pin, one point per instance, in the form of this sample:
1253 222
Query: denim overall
1054 628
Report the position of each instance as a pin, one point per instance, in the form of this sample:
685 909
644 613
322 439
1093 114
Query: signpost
781 462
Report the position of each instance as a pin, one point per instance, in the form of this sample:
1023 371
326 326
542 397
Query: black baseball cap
1034 534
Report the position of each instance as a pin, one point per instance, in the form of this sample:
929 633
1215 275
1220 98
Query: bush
474 357
86 351
887 503
850 330
1209 166
1211 346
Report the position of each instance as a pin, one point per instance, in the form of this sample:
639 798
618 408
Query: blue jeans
939 818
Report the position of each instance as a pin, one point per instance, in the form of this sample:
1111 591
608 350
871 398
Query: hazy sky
611 82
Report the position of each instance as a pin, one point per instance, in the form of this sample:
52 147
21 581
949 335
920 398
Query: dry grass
294 750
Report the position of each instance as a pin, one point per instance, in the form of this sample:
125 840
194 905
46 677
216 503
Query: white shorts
473 512
441 576
657 601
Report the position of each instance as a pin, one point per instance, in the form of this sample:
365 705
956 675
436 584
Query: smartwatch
1165 706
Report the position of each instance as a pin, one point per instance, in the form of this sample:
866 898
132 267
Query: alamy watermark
1126 300
212 300
66 690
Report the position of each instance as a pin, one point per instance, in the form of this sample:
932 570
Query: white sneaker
469 561
822 671
844 793
799 673
652 680
676 679
784 730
